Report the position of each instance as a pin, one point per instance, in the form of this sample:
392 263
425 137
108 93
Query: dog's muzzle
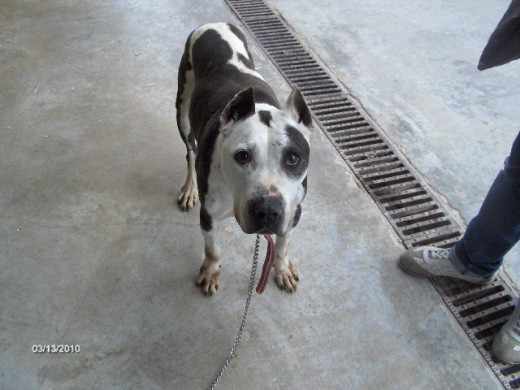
266 214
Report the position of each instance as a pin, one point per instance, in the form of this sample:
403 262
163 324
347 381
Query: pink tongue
268 264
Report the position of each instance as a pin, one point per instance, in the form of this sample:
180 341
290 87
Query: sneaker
506 345
430 261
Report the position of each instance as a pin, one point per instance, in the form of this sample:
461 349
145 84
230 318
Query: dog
247 156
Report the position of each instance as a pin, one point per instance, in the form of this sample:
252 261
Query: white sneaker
506 345
429 261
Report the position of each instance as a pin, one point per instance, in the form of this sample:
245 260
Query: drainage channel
415 213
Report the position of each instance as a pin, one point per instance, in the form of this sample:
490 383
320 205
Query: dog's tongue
268 264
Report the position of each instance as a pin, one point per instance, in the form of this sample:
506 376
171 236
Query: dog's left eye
292 159
242 157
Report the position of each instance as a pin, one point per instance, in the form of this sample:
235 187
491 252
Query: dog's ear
298 108
240 107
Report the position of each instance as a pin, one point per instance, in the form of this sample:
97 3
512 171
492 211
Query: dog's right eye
242 157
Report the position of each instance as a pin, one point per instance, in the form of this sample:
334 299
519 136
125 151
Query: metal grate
415 213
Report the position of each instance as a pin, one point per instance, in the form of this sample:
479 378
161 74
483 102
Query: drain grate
415 213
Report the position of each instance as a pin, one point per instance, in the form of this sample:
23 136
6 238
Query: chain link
243 323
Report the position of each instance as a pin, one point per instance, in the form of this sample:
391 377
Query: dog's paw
286 278
188 197
207 280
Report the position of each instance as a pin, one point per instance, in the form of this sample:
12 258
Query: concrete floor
95 253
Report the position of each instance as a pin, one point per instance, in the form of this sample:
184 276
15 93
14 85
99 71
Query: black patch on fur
246 61
299 146
192 142
203 160
205 220
298 141
297 215
217 82
184 66
265 117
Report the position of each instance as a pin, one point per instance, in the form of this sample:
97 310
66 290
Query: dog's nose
266 212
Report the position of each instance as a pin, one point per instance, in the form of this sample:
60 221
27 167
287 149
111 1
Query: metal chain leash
243 323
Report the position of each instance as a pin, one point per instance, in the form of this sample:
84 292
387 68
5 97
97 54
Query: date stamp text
53 348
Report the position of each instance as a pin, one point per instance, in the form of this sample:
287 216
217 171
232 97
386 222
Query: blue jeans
496 228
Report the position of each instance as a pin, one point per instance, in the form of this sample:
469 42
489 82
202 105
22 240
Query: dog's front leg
209 273
286 274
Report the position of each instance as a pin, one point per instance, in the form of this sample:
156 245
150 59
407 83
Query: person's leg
489 236
479 254
496 228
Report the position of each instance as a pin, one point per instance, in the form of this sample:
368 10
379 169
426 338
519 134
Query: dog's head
265 155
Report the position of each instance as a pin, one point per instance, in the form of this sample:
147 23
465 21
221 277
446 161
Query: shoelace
439 254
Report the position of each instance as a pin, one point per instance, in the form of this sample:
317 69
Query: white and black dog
247 156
